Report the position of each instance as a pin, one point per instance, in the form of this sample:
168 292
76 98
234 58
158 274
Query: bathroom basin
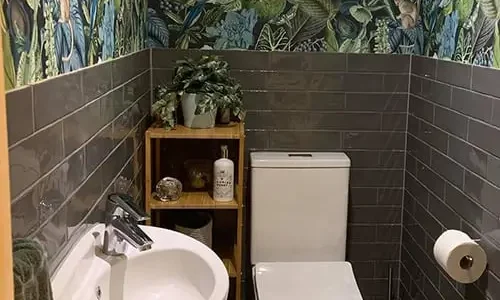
176 267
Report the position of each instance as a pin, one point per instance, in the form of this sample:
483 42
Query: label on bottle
223 184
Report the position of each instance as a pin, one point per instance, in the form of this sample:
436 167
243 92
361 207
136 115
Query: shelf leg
147 176
157 160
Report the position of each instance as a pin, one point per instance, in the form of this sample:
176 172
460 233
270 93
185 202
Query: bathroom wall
41 41
452 175
332 102
73 140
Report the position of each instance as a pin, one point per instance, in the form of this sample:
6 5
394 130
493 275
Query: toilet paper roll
462 258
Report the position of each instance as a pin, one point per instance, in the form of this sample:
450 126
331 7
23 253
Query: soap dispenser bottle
223 177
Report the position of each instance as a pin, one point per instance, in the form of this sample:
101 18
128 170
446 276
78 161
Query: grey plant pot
191 120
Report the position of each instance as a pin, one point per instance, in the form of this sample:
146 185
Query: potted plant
229 102
204 86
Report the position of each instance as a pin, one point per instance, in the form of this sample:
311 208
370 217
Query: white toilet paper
462 258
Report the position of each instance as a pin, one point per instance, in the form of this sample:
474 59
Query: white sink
176 267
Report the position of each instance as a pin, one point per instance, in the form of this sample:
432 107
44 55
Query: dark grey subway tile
484 80
495 115
355 82
297 100
25 215
433 136
415 85
302 81
80 126
96 81
443 213
20 119
421 109
98 148
454 73
163 58
34 157
431 180
447 168
248 60
416 190
389 233
364 233
378 63
258 80
428 222
362 196
313 120
436 92
482 135
394 121
392 159
377 102
257 139
423 66
390 196
471 157
331 62
136 88
374 140
161 77
450 121
129 66
375 215
418 149
376 178
493 169
57 97
54 234
472 104
483 192
305 140
363 269
396 83
364 158
469 210
378 251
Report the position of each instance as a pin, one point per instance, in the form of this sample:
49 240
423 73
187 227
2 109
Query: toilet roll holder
467 261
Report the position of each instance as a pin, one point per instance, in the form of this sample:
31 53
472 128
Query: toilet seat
305 280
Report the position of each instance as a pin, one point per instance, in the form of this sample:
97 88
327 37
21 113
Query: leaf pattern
103 29
272 41
50 43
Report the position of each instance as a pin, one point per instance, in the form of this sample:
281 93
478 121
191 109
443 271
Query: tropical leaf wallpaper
44 38
461 30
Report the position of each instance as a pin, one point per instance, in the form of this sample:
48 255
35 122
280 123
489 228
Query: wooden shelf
231 131
229 267
193 200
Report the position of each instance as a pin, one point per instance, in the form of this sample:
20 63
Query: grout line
68 198
66 158
76 111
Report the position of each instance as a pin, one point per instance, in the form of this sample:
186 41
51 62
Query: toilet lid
305 280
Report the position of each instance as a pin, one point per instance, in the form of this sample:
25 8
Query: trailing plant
164 108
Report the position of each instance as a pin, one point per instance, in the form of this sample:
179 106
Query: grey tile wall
332 102
451 179
74 139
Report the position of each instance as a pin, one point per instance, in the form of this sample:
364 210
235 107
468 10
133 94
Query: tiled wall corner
452 175
73 139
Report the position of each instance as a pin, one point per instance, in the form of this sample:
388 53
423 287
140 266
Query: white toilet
299 226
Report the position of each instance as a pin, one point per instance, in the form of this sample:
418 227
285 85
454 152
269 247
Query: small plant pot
224 116
192 120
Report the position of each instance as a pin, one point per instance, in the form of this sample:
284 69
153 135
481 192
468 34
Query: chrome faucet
122 216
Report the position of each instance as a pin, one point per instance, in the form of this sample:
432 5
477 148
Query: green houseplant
202 86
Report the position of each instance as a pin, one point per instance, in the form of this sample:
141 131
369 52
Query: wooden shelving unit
230 253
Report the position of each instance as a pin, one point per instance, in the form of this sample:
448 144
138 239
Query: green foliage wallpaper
44 38
460 30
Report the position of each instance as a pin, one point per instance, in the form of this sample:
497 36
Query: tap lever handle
128 205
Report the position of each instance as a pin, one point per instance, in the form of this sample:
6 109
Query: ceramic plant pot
191 120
